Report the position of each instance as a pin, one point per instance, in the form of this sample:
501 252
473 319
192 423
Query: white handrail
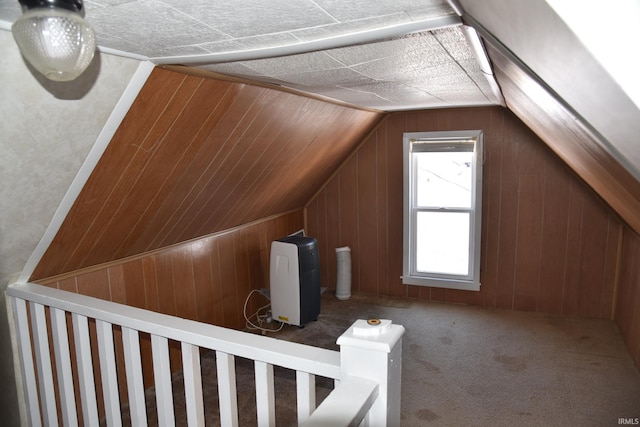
347 405
317 361
366 393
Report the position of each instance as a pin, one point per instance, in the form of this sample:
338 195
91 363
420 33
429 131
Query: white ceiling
388 54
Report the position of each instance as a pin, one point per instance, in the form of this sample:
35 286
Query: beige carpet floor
468 366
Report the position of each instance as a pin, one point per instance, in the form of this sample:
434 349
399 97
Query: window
442 209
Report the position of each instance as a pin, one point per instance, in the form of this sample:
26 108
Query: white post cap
373 334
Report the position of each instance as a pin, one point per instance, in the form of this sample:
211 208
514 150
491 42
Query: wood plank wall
197 155
548 242
206 280
569 137
627 313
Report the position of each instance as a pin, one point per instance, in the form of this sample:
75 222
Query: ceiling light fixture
53 36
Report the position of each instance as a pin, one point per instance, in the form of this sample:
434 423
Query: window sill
441 283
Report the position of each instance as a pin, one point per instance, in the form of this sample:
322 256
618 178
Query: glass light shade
56 42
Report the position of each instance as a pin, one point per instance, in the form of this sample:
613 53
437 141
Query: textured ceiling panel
425 70
140 21
323 78
258 16
411 49
387 65
314 61
248 43
355 9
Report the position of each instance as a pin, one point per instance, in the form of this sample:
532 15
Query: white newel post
372 349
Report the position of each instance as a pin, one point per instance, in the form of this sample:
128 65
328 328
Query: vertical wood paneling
133 272
183 283
554 240
94 284
113 217
382 232
627 315
530 223
315 221
203 281
491 191
260 261
367 223
593 260
508 225
150 284
614 242
216 283
187 129
197 155
242 265
167 216
166 287
546 236
228 274
151 101
176 123
349 217
117 290
575 228
236 143
69 284
334 228
395 126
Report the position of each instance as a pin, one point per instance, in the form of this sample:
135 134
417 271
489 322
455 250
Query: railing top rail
346 405
270 350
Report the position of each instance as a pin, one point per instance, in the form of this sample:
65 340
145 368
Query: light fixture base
54 39
72 5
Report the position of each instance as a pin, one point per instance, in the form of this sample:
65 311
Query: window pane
442 243
444 179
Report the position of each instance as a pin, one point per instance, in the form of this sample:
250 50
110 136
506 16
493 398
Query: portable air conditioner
295 280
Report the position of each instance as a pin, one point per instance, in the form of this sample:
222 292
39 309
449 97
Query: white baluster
135 385
85 369
23 336
306 392
193 384
43 361
226 369
109 374
63 366
265 394
162 377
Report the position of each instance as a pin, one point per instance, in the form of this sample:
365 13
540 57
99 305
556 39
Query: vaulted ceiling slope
197 155
565 91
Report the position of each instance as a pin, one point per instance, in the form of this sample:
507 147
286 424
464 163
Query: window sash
414 188
415 271
465 141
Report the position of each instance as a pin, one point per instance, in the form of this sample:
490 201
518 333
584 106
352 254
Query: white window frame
410 275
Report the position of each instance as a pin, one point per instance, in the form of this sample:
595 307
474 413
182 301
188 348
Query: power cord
260 318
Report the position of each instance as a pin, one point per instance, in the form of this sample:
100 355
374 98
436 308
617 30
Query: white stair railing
366 393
